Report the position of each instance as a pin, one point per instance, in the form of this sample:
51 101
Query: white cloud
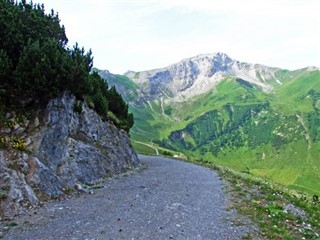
140 35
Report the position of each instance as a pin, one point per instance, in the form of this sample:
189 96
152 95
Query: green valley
237 123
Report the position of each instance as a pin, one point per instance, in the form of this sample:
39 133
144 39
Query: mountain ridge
196 75
128 72
201 73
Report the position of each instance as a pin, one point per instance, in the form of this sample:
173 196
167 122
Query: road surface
168 200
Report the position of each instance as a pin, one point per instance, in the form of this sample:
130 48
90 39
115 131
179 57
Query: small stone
1 234
26 122
19 130
27 141
5 130
36 122
16 126
78 187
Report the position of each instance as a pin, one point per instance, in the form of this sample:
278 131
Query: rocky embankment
63 147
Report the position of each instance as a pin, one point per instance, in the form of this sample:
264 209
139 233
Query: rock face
200 74
63 149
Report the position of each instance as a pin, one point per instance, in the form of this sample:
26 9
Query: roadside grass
279 213
143 149
284 166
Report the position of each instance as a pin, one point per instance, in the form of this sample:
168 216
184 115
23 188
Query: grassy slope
293 164
295 93
143 149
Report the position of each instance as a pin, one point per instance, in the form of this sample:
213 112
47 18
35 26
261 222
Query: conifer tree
36 65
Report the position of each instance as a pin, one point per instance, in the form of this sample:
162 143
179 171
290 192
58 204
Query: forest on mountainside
36 65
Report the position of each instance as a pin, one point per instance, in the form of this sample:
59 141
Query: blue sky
143 35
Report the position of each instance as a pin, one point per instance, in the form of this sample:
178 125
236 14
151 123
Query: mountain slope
240 115
200 74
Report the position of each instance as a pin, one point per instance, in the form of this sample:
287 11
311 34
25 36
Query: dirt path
168 200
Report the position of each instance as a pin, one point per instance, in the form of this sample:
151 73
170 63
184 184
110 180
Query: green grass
147 118
143 149
287 166
121 79
287 176
291 97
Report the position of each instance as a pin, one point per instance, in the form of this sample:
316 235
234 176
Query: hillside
61 127
249 117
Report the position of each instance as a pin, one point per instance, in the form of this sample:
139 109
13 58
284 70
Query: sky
143 35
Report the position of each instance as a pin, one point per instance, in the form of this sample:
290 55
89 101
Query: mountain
200 74
241 115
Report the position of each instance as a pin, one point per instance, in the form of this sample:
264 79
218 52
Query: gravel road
168 200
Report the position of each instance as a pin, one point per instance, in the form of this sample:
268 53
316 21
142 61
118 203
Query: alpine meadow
249 117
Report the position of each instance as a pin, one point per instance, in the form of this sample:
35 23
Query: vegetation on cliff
37 65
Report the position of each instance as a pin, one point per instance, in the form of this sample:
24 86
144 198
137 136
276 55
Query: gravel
168 200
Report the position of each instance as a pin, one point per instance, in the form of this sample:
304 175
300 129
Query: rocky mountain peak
218 57
215 59
199 74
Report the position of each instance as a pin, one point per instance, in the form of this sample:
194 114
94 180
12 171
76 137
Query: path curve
148 145
168 200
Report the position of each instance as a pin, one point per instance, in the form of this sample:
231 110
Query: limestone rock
195 76
66 149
